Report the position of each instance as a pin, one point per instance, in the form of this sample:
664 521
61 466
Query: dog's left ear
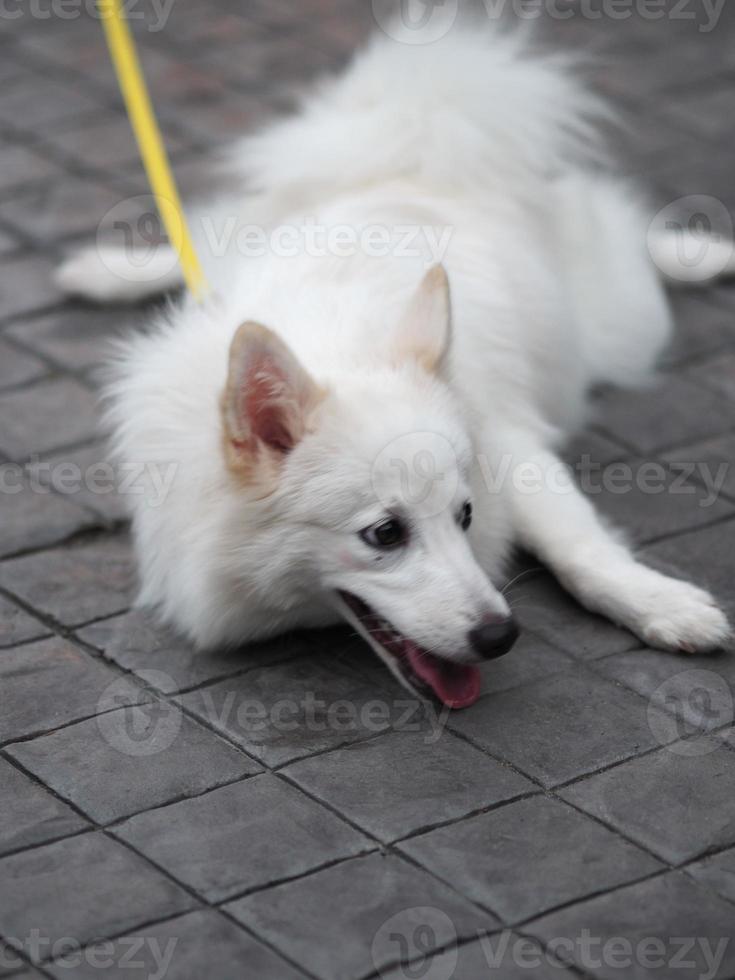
267 400
425 330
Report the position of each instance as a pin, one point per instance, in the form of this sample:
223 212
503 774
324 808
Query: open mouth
454 684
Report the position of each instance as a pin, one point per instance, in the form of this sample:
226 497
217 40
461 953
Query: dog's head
366 492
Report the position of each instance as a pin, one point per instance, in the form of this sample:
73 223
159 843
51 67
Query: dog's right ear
425 330
267 400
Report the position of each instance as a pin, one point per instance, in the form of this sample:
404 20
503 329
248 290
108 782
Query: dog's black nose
492 640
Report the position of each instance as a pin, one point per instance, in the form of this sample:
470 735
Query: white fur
552 291
109 274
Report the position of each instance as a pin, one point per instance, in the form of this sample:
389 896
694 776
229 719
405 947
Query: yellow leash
152 150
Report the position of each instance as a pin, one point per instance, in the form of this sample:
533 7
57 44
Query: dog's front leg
558 524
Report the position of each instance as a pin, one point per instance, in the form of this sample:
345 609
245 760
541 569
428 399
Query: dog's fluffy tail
475 109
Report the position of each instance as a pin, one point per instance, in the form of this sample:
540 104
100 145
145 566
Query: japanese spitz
349 441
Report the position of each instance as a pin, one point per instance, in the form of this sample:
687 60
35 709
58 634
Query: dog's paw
679 616
107 274
112 274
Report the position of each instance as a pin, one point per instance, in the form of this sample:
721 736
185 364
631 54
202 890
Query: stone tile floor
287 811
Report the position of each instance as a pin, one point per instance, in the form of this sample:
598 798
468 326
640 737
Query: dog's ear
267 400
425 329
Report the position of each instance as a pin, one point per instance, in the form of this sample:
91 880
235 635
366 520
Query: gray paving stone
651 799
41 104
83 888
369 902
45 416
542 606
644 140
22 166
14 961
403 782
27 285
214 124
530 659
284 712
11 73
57 209
710 462
78 340
560 727
87 477
173 78
229 28
157 756
650 73
667 925
50 683
703 557
11 962
339 35
198 944
29 814
716 872
73 584
648 500
241 836
83 50
29 519
9 242
17 367
107 145
67 25
592 449
703 324
135 642
16 626
505 955
515 860
717 374
696 690
676 411
287 58
682 174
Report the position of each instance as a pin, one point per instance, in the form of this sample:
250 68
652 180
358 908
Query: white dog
345 443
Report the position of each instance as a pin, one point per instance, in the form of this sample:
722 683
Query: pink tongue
456 685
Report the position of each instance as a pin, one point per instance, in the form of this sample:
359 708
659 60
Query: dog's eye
386 534
465 516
